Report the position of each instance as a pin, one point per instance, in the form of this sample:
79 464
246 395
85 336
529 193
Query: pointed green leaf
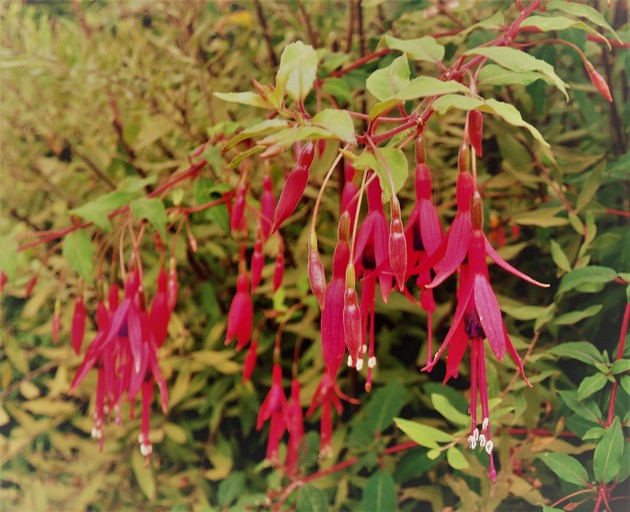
264 128
456 458
566 467
97 211
543 217
424 435
583 11
311 499
78 251
586 275
446 409
385 403
620 366
574 317
8 256
491 74
379 493
297 70
244 98
519 61
396 164
496 21
387 82
581 350
144 474
425 86
231 489
607 458
588 410
338 122
153 211
559 257
549 23
425 48
591 384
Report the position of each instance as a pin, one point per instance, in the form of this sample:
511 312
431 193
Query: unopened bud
462 158
475 130
598 81
343 231
421 150
476 216
352 324
316 274
398 250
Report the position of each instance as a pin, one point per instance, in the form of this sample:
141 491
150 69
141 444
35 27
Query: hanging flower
274 408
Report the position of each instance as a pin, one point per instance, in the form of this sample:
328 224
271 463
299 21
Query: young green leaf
297 71
620 366
549 23
592 274
424 435
559 257
244 98
607 458
456 458
379 493
97 211
519 61
151 209
265 127
387 82
574 317
491 74
338 122
396 163
583 11
78 251
425 48
8 256
144 474
311 499
446 409
566 467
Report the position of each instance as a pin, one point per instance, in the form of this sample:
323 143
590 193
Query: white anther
482 440
106 410
484 425
472 442
372 362
476 434
489 446
97 433
349 360
140 438
146 449
364 349
359 365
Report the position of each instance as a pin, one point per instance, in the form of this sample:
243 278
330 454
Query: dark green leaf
384 405
587 410
566 467
231 488
379 493
590 385
607 458
78 251
574 317
580 350
97 211
311 499
152 210
625 383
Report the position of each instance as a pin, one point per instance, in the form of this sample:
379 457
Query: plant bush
181 176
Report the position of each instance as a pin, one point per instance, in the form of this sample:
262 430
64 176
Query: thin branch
266 36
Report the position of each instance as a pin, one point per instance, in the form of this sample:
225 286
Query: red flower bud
78 324
294 186
278 269
250 360
241 315
160 312
316 274
267 207
398 248
598 81
352 325
238 209
475 130
3 280
258 261
30 285
56 322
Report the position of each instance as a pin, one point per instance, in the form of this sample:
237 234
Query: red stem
621 213
360 62
620 351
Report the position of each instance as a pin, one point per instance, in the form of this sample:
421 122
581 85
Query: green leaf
519 61
625 383
152 210
231 489
384 405
266 127
97 211
594 433
424 435
566 467
590 187
549 23
586 275
581 350
339 88
425 48
446 409
508 112
620 366
338 122
491 74
591 384
456 458
583 11
8 256
379 493
311 499
387 82
297 71
144 474
496 21
587 410
542 217
576 316
78 251
608 453
559 257
396 163
244 98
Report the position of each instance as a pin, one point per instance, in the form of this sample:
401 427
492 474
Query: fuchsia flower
78 324
295 426
478 316
267 206
316 274
250 360
258 262
241 315
332 326
278 268
274 407
349 193
326 395
237 217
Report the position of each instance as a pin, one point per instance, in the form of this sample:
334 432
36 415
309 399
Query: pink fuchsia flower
250 360
326 395
237 215
160 312
332 326
267 206
78 323
257 264
349 193
274 408
278 268
241 314
316 274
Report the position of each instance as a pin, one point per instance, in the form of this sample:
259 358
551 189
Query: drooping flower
349 193
278 268
316 274
250 360
326 395
258 262
78 323
241 314
237 215
267 206
295 426
274 408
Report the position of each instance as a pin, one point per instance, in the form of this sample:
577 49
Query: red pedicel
78 324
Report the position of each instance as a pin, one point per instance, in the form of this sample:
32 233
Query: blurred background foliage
98 96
